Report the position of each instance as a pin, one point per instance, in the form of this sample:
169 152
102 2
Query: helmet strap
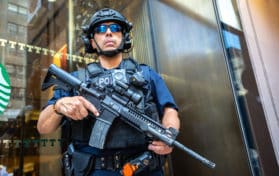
110 53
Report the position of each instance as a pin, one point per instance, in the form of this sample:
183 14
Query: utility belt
77 163
81 164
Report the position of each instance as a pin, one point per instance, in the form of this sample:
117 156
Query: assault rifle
116 106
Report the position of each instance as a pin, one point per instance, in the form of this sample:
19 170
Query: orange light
129 169
60 58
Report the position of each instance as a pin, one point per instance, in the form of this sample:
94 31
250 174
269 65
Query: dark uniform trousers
117 173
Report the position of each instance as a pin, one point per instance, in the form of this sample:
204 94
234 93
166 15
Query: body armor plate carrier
121 135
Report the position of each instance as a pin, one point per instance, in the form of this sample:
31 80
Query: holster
76 163
67 164
82 163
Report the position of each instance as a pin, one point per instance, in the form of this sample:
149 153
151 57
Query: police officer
108 36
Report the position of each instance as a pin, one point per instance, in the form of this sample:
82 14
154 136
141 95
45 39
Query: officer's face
108 36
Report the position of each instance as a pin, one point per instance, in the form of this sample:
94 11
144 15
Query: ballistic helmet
107 14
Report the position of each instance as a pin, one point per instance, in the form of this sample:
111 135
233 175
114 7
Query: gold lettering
17 143
21 46
38 49
45 51
74 57
85 60
29 48
80 59
52 52
6 143
58 55
12 43
3 42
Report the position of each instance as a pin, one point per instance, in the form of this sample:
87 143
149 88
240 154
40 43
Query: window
22 29
15 29
12 7
12 28
22 10
17 9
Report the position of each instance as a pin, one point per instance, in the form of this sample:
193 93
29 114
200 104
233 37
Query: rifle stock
113 108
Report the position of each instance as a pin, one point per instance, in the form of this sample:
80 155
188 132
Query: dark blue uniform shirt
162 97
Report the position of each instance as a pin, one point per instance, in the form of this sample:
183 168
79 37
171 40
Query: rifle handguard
174 132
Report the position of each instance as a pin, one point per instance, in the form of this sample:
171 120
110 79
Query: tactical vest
120 135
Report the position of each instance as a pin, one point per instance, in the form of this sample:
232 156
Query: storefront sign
5 89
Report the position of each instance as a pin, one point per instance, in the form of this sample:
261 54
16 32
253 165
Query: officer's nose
108 31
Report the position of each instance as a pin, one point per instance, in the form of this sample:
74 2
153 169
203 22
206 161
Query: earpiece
127 37
86 40
127 42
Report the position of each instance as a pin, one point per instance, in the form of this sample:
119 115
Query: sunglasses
103 28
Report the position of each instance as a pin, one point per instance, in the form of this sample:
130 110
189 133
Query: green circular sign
5 89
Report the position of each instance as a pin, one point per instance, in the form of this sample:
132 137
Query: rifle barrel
194 154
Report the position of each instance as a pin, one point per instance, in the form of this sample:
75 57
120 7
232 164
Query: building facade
218 57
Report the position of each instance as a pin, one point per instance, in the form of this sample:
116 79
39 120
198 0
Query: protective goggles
103 28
